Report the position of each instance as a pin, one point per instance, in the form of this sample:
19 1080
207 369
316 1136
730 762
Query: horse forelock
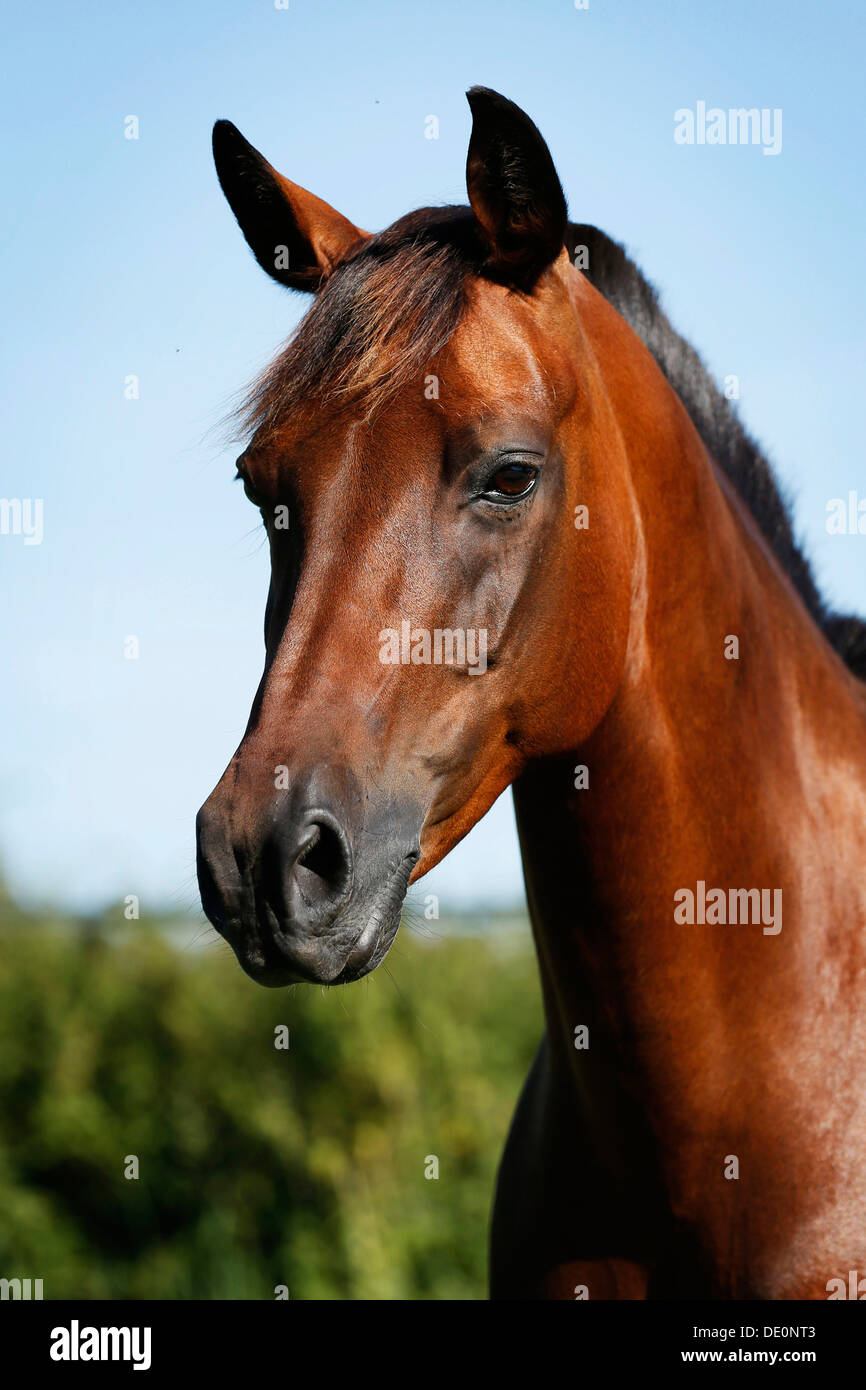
376 325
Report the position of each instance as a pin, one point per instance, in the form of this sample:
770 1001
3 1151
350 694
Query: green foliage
258 1166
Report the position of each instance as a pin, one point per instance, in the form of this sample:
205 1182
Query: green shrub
258 1167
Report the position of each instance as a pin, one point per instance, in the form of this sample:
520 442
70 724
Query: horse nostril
305 871
322 867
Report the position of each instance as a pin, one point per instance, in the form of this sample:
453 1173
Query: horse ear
514 189
296 237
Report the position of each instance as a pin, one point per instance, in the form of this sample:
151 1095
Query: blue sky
121 257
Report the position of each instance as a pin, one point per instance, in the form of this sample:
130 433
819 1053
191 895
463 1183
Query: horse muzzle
314 890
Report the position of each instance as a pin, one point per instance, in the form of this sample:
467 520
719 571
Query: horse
518 537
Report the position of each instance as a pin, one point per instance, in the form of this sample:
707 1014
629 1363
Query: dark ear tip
227 139
481 97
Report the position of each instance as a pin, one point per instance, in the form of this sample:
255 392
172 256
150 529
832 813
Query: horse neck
713 762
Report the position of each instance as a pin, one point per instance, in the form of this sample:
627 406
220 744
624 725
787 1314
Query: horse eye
249 490
511 482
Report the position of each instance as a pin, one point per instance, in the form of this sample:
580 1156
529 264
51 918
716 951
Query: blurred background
134 317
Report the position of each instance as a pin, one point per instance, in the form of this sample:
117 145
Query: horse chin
371 948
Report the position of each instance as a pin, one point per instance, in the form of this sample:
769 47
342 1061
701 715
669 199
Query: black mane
615 276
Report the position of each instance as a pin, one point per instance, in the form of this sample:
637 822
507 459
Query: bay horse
486 425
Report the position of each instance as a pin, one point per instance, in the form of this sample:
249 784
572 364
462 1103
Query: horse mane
397 299
615 276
